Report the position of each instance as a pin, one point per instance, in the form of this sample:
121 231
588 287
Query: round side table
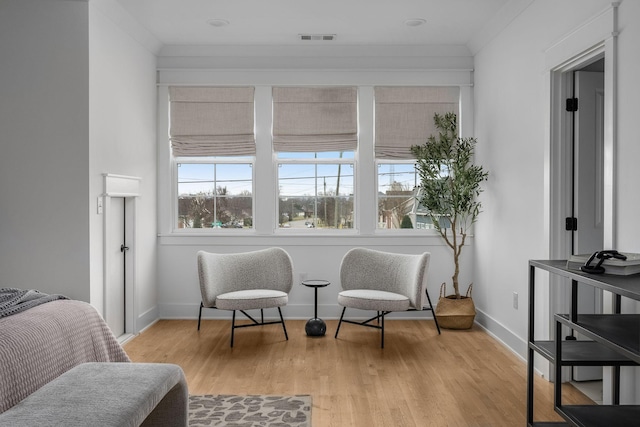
315 327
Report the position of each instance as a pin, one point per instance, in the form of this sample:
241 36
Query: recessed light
218 22
414 22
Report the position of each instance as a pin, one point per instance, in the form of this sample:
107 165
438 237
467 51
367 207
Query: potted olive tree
449 186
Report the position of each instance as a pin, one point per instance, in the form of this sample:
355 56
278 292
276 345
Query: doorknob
123 248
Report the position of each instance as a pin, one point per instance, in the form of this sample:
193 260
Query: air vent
320 37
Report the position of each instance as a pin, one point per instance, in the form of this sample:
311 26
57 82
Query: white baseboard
502 334
147 319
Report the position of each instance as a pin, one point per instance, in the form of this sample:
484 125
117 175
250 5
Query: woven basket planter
454 313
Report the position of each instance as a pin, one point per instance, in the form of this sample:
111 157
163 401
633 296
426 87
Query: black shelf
614 341
601 415
619 332
549 424
626 286
582 353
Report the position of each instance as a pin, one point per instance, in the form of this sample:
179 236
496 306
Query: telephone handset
601 255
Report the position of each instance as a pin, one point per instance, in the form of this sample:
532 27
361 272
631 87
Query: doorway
119 249
593 44
587 161
115 293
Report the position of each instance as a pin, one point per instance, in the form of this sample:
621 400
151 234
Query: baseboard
147 319
502 334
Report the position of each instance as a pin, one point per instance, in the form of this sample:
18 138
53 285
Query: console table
615 341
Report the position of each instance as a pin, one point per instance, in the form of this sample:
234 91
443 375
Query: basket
454 313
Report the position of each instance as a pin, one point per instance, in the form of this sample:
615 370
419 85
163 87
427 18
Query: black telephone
601 255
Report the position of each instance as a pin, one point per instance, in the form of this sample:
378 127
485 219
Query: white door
588 189
115 288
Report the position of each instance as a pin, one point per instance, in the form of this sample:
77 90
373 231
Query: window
215 195
315 191
315 138
397 184
213 144
403 118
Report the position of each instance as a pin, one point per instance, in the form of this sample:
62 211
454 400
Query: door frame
127 187
594 40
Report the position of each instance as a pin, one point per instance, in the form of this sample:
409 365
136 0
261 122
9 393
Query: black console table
615 341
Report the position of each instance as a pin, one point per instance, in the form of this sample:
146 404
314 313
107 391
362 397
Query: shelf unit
615 342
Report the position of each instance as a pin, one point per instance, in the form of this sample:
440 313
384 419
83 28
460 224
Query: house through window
404 118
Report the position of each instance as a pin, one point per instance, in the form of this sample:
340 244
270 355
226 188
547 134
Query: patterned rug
249 411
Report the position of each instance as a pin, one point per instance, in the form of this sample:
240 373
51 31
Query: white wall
123 142
77 99
511 101
317 255
44 162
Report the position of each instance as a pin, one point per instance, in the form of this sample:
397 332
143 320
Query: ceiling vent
320 37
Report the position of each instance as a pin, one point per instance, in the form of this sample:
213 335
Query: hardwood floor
420 378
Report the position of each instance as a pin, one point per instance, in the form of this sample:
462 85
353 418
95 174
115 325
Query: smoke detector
320 37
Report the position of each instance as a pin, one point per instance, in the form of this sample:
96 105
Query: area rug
249 411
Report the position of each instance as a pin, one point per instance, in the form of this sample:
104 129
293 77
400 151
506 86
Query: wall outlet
100 207
515 300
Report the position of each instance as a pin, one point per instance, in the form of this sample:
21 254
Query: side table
315 327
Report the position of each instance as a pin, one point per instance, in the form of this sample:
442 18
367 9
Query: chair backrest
384 271
264 269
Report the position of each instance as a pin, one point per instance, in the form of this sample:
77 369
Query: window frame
377 164
176 161
352 161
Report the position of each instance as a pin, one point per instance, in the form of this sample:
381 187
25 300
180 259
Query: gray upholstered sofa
61 366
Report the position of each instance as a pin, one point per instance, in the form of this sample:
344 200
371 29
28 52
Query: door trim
127 187
594 40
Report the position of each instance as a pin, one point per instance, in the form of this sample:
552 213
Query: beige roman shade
212 121
313 119
404 117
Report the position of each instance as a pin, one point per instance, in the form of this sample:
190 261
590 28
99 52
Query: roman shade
313 119
212 121
404 117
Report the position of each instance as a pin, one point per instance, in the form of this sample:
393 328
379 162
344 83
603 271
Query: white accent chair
383 282
245 281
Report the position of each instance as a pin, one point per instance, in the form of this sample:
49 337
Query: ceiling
280 22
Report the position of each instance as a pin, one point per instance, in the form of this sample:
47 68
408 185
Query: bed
43 342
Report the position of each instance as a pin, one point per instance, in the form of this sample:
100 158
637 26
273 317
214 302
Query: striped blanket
14 300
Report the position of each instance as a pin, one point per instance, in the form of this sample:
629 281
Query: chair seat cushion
251 299
368 299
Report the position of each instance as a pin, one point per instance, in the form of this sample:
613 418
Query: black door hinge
572 104
571 224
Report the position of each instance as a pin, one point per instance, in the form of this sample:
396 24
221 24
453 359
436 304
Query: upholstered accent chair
383 282
245 281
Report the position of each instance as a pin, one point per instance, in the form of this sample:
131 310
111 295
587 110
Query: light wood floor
460 378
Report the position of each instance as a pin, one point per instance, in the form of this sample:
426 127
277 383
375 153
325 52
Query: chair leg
233 326
433 311
283 327
262 315
382 331
340 322
200 315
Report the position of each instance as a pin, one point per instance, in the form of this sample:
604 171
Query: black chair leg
200 315
382 330
340 322
283 327
233 326
433 311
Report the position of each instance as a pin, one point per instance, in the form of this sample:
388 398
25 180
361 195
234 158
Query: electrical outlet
100 208
515 300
